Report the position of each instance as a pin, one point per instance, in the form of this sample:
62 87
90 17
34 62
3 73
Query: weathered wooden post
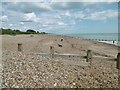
118 67
20 47
89 56
52 51
118 61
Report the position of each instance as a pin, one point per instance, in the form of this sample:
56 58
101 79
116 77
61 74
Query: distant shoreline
109 38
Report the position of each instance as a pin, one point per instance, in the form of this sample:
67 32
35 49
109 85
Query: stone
55 84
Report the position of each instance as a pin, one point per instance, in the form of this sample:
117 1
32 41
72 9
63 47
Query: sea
110 38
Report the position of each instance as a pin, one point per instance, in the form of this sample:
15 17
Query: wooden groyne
88 62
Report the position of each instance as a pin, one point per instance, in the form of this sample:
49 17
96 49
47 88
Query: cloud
27 7
4 18
85 0
60 0
22 23
31 17
103 15
10 25
60 23
66 5
45 25
72 23
79 15
65 13
57 17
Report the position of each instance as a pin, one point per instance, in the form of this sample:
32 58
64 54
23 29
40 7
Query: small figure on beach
113 41
61 39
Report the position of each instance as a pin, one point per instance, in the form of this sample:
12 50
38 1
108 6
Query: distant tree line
16 32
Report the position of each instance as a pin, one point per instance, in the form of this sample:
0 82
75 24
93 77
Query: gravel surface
25 70
21 70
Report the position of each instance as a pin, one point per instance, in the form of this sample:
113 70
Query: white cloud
31 17
67 13
61 23
58 17
85 0
45 25
102 15
79 15
27 7
45 6
4 18
60 1
10 25
25 27
22 23
61 17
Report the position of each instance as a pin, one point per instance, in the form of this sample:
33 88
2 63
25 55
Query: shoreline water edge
109 38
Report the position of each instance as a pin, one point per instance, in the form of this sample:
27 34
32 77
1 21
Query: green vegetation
17 32
31 31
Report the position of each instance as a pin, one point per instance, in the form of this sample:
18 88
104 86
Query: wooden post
118 61
118 67
19 46
119 78
52 51
89 56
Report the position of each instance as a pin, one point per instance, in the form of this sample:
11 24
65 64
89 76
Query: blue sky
61 17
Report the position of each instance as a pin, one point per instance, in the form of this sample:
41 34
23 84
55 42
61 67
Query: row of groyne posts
113 41
89 58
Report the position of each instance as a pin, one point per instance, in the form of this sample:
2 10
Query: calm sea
102 37
99 36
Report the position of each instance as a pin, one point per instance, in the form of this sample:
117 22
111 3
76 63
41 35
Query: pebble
13 58
73 83
55 84
36 72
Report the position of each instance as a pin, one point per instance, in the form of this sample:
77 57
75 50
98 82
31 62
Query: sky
60 17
